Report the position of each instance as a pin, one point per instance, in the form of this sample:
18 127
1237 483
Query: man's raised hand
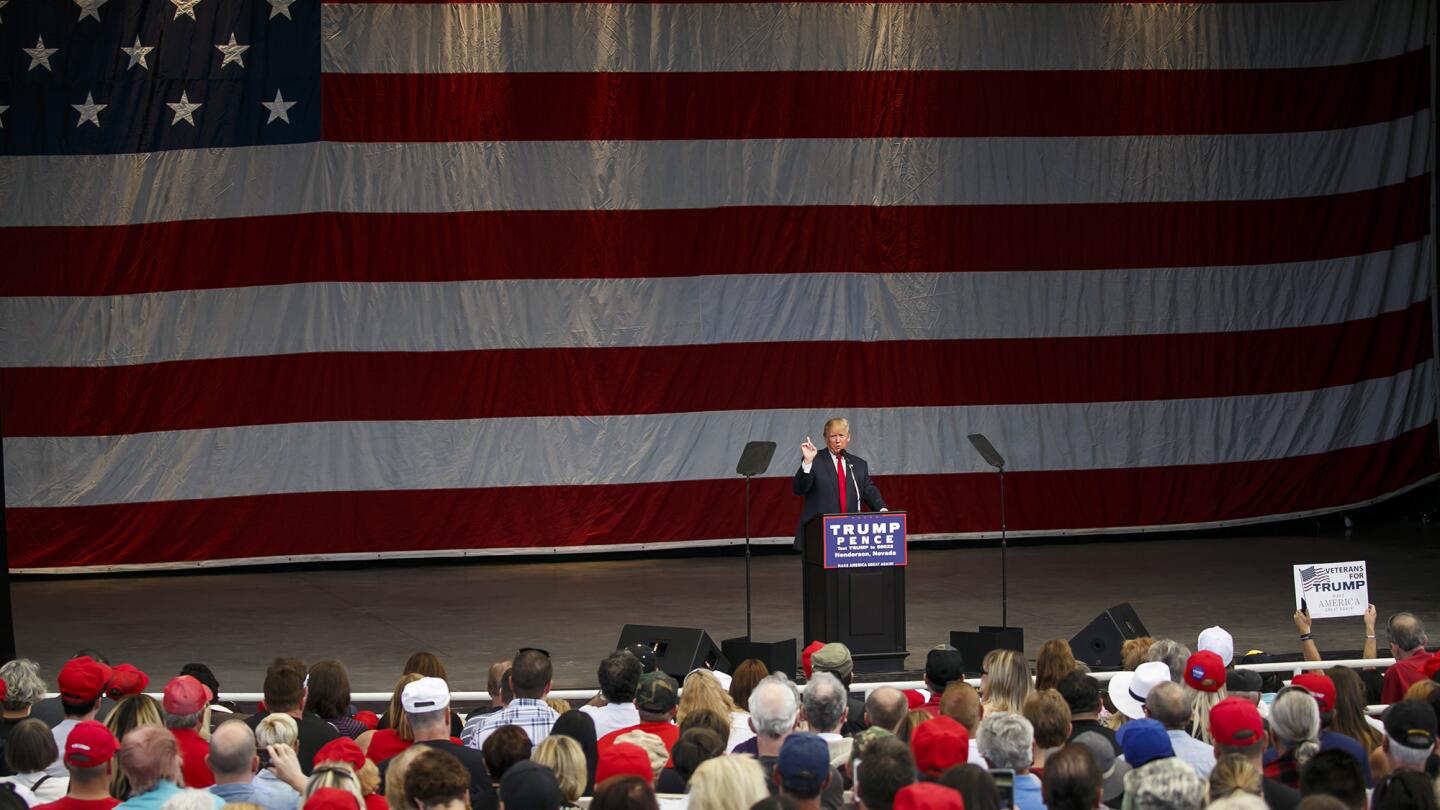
808 450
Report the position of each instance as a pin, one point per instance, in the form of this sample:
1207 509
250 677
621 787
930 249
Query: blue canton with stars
109 76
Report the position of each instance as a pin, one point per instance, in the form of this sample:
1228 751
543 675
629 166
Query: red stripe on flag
677 379
400 521
917 104
653 243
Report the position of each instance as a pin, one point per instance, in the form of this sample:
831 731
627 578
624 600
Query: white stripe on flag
624 37
539 451
589 175
587 313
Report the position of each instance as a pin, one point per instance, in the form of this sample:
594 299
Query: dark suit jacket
821 489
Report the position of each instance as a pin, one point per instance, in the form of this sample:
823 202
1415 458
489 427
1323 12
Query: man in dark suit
835 482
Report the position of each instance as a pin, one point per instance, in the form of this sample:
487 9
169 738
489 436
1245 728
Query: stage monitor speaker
778 656
1098 644
678 650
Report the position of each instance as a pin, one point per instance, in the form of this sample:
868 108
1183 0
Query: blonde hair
654 748
395 776
129 714
369 776
838 421
1420 690
277 729
702 690
728 782
1233 773
562 755
395 712
190 799
334 774
1007 681
1200 705
560 705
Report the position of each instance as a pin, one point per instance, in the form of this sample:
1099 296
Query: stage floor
473 613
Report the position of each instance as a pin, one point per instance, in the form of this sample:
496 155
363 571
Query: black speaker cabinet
778 656
678 650
1098 644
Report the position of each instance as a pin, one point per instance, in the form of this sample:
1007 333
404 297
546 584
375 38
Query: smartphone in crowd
1004 786
264 757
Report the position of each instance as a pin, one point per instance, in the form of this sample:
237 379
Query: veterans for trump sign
864 540
1332 589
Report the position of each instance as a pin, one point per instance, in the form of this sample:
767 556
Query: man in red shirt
655 700
90 758
1407 645
185 703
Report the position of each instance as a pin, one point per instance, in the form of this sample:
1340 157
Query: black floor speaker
777 656
678 650
1099 643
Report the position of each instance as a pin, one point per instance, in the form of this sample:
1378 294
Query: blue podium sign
864 540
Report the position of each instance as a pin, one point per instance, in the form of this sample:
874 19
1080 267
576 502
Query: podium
854 584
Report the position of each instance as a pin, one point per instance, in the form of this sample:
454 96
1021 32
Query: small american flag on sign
1312 576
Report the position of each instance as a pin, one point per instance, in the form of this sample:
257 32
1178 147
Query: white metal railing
1294 667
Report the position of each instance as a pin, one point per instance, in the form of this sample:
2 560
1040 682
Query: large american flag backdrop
286 279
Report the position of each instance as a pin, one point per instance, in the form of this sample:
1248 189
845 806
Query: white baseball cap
425 695
1128 690
1217 640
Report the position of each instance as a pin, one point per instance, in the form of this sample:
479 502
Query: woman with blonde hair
1204 687
563 756
1004 681
395 776
381 744
703 690
730 782
1053 663
338 775
1234 773
129 714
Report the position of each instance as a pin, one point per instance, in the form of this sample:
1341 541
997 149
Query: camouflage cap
865 738
833 657
657 693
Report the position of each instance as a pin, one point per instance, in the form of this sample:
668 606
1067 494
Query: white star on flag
89 111
40 55
232 52
183 110
279 7
279 108
137 54
186 7
90 8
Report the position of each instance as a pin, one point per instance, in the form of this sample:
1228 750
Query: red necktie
840 478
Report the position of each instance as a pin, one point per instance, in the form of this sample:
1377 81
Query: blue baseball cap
804 762
1143 741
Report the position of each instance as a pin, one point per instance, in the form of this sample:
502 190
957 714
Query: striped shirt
534 716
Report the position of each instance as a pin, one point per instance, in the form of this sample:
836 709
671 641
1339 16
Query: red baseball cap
185 695
928 796
1320 687
1236 722
368 718
1205 671
90 744
624 759
2 688
126 680
329 798
342 749
808 653
83 679
939 744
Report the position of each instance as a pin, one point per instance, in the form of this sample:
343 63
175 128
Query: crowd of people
1176 730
